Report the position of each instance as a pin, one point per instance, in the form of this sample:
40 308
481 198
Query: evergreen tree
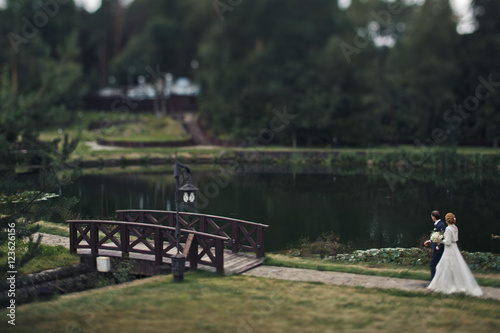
479 51
424 70
36 86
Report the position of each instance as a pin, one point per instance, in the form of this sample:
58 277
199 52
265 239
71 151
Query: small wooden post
203 224
94 238
72 238
171 220
235 237
192 251
124 239
219 255
158 246
260 242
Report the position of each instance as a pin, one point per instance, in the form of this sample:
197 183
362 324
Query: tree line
374 72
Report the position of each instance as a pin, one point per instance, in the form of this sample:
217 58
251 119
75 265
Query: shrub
477 261
327 245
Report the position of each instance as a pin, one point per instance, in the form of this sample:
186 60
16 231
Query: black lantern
188 193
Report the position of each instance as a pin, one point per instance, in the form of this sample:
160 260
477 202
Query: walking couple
449 271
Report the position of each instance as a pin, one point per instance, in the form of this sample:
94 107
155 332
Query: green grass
209 303
53 228
147 129
143 127
50 257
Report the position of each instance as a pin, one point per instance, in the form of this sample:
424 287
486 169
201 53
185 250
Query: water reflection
358 206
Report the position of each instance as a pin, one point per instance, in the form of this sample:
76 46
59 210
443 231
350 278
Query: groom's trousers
436 256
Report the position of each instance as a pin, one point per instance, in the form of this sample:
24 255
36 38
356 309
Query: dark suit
437 249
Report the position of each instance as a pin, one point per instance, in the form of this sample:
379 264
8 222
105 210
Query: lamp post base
178 267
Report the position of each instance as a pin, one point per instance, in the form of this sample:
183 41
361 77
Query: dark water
360 207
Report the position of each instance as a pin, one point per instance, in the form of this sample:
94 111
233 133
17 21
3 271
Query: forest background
376 72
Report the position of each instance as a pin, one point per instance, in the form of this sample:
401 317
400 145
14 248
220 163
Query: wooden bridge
208 242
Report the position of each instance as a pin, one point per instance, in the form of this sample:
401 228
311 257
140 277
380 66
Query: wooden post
203 224
158 246
260 242
171 220
235 237
94 238
193 253
219 256
72 238
121 216
124 239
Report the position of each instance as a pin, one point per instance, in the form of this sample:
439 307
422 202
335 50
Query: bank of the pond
398 160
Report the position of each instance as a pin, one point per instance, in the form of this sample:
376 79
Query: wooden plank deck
234 263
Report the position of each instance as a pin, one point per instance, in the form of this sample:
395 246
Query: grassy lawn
147 129
142 127
48 258
211 303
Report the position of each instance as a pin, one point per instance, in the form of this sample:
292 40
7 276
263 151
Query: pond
360 207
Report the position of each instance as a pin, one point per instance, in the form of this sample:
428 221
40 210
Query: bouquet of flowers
437 236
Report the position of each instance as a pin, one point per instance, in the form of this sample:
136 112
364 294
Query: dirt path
310 275
191 121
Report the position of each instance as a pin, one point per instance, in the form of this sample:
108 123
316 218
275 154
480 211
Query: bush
403 256
482 261
327 245
477 261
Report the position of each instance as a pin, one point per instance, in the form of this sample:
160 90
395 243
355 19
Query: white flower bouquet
437 237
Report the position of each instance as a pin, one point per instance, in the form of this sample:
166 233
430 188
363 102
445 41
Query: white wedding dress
452 273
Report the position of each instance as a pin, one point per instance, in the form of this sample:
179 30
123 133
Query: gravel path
352 280
336 278
53 240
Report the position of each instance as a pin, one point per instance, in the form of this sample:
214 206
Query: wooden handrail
148 225
192 214
252 234
204 240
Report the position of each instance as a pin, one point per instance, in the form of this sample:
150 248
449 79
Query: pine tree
31 170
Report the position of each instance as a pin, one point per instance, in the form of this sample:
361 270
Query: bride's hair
450 218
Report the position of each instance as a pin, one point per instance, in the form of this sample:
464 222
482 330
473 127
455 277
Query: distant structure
162 96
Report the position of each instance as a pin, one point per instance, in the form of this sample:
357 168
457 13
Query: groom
437 248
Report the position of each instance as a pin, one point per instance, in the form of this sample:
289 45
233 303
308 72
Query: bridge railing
156 240
240 234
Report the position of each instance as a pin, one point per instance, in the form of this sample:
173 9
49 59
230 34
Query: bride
452 273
